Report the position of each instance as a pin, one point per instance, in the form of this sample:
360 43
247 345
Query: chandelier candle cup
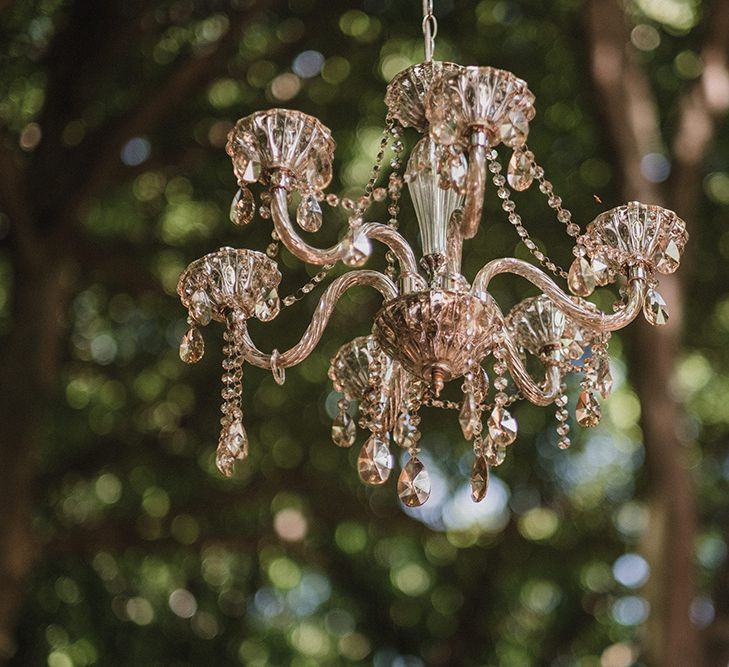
435 325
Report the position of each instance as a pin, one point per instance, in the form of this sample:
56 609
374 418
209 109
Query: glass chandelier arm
476 183
311 255
589 317
539 395
319 321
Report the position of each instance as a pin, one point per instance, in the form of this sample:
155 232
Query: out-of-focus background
120 544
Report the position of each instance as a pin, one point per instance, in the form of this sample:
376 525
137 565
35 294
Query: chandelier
435 324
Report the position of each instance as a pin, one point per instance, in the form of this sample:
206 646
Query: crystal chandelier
434 325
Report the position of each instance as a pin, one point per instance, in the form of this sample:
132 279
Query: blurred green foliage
150 558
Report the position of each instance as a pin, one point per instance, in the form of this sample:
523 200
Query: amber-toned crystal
357 248
654 308
233 446
375 461
405 433
469 417
413 484
519 172
192 346
201 308
479 479
308 214
268 307
587 411
581 279
601 270
242 208
502 427
344 430
668 256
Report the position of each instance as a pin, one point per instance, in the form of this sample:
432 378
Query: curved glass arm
319 320
539 395
590 317
311 255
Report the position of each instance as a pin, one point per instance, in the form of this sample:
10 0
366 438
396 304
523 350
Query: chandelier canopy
435 324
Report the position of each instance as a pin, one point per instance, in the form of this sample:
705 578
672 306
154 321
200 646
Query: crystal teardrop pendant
654 308
375 462
587 411
344 430
502 427
519 173
192 346
668 256
269 307
243 207
468 417
413 484
479 479
581 278
233 446
201 309
308 214
600 270
405 434
357 248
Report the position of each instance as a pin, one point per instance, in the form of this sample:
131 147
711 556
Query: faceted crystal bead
201 308
269 307
251 171
519 172
494 454
469 418
600 270
514 128
233 446
654 308
581 279
375 462
502 427
192 346
445 132
588 410
357 248
242 208
668 256
479 479
344 430
308 214
405 433
604 378
413 484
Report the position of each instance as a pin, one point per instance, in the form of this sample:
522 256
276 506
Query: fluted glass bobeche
435 325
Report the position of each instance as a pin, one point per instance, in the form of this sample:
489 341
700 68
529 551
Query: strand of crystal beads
394 192
233 442
470 415
502 427
509 207
344 428
413 483
562 417
406 432
545 187
308 287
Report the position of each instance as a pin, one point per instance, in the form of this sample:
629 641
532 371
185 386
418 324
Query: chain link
430 29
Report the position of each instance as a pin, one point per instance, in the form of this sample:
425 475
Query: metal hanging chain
430 29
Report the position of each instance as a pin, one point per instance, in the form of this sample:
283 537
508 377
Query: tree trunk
30 364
